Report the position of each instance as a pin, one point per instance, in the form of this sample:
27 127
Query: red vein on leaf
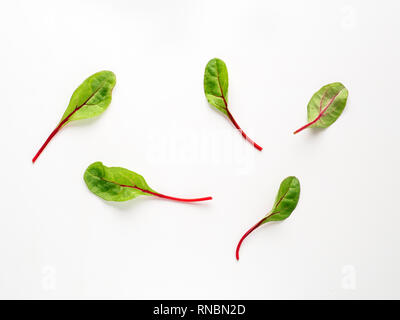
322 99
60 125
255 145
158 194
281 198
319 116
167 197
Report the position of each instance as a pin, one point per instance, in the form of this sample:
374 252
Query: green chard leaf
216 84
109 183
216 90
325 106
120 184
89 100
285 202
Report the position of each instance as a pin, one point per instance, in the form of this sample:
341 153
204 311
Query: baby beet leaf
325 106
216 90
89 100
285 202
119 184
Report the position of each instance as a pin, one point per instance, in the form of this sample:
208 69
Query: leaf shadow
312 133
125 206
315 132
130 205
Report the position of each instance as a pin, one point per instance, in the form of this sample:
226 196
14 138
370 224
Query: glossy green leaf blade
286 200
330 100
106 182
91 98
325 106
216 84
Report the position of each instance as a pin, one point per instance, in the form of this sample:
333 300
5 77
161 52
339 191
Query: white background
58 240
